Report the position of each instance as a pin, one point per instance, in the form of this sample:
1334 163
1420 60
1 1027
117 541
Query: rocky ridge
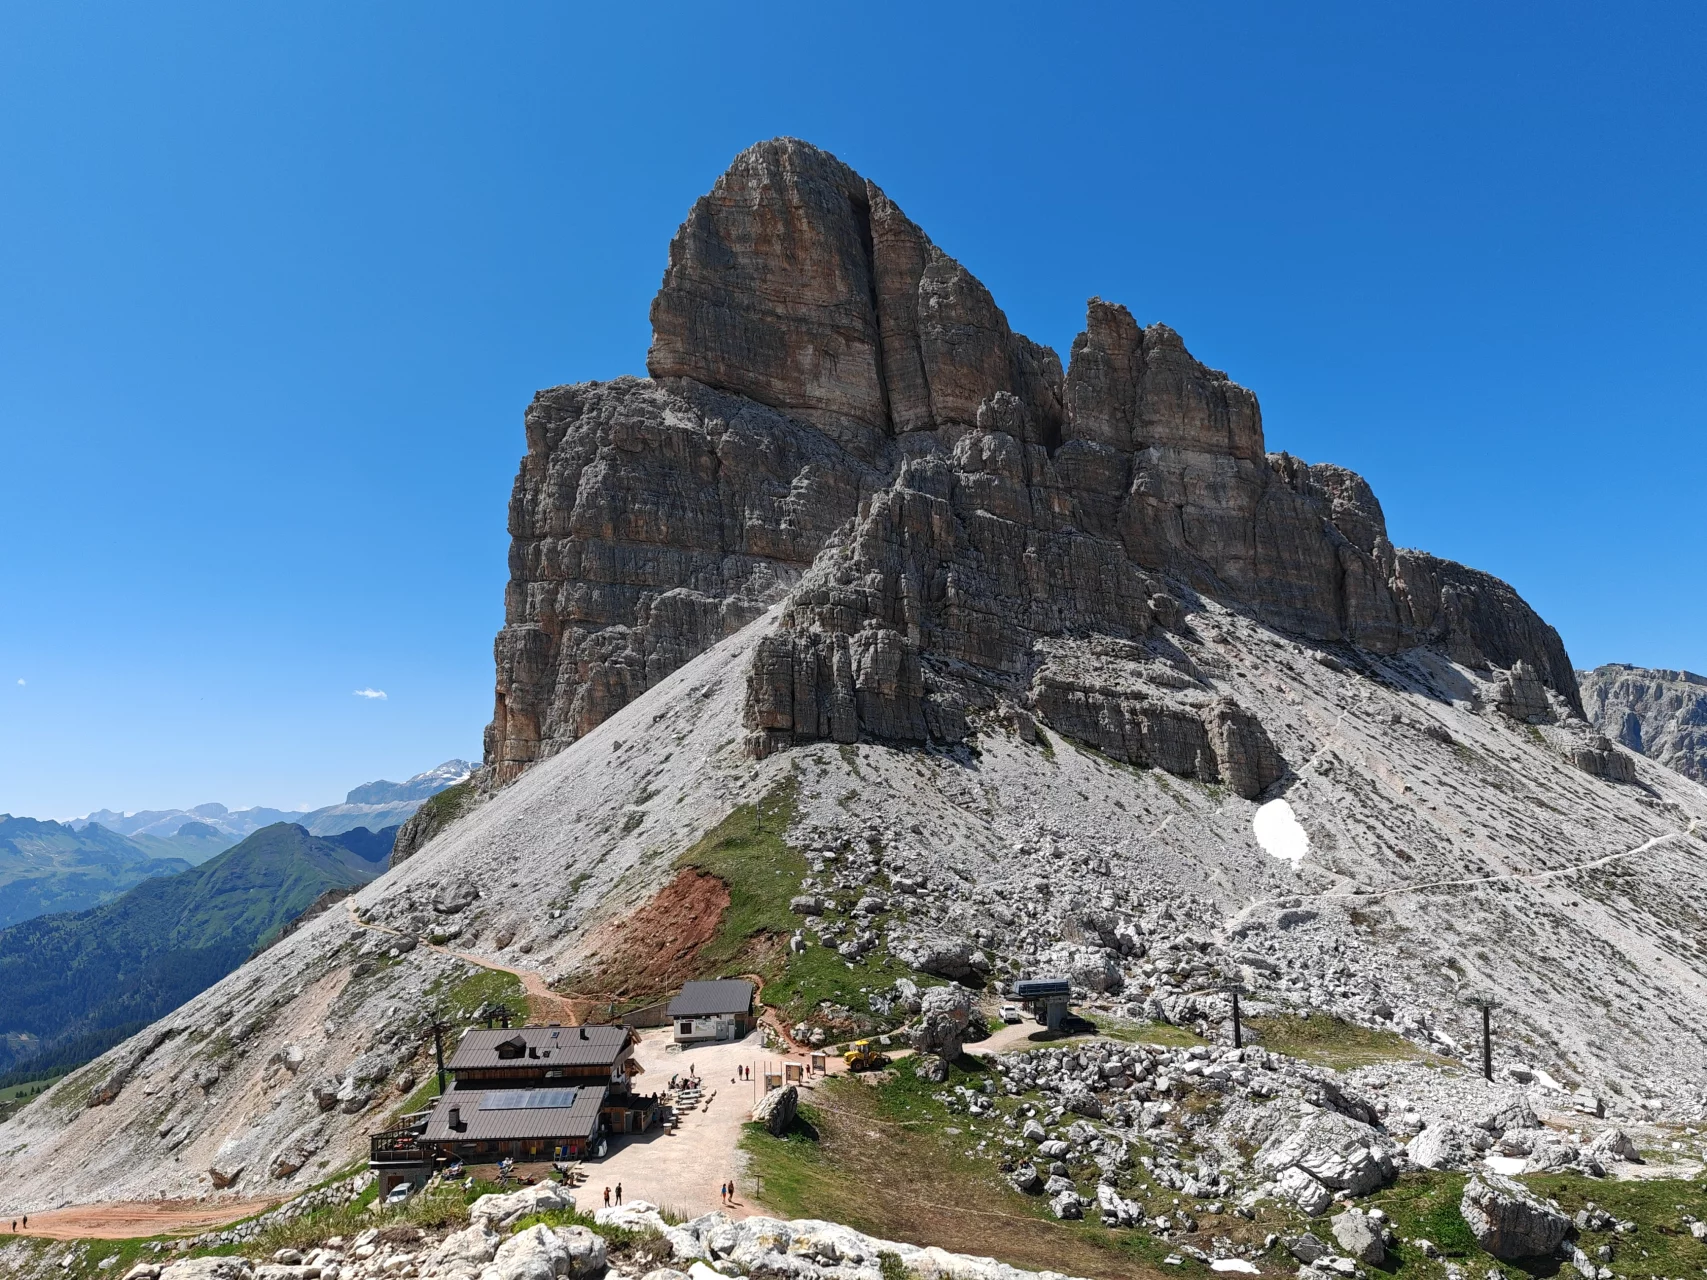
1662 714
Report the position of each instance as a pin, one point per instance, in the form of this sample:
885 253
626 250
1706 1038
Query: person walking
619 1193
607 1197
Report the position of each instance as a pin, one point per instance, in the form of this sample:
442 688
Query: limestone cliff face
1662 714
649 521
841 415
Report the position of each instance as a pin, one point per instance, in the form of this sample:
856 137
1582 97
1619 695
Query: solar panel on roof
527 1099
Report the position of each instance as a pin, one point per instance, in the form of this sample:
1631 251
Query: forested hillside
78 982
48 866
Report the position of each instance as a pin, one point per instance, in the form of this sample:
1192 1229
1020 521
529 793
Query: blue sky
278 282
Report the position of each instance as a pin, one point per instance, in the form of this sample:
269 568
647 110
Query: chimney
456 1118
583 1033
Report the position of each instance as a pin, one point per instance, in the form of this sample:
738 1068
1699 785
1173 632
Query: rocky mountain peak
840 414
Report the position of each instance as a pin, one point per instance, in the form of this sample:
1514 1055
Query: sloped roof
708 999
556 1046
503 1123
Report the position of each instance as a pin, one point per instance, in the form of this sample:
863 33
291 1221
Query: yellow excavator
862 1057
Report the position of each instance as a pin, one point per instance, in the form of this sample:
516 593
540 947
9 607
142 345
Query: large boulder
512 1206
776 1109
939 954
1340 1153
1509 1220
466 1250
1444 1145
534 1254
1359 1236
943 1015
1094 968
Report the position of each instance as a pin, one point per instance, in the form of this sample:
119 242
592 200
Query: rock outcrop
1509 1220
1661 714
840 414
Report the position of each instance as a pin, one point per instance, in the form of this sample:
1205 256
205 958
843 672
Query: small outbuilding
710 1011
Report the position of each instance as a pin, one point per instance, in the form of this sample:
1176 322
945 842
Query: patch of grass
749 852
1331 1042
882 1158
1661 1244
819 973
762 872
1164 1033
459 999
1424 1206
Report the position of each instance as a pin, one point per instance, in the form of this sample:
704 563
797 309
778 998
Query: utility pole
1485 1002
1234 989
439 1028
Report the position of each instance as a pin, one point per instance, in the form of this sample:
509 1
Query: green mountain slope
79 982
194 842
47 866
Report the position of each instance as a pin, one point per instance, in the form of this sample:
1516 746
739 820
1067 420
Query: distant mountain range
48 866
374 805
78 982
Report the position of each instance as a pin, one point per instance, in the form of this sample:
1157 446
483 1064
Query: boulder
776 1109
1340 1153
1510 1221
1067 1206
512 1206
1514 1115
586 1250
1359 1236
1443 1145
534 1254
1615 1144
943 1015
1296 1185
206 1269
1026 1179
467 1250
1307 1248
939 954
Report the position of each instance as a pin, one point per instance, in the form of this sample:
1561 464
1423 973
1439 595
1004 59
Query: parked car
1010 1013
400 1193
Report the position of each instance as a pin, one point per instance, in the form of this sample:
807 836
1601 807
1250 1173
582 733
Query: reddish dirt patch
654 949
123 1221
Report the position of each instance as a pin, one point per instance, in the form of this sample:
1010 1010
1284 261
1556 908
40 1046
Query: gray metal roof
556 1046
708 999
580 1119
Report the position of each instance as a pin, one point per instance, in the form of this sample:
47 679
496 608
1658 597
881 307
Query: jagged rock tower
841 418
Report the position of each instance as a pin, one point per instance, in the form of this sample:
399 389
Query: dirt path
125 1220
1523 877
544 1004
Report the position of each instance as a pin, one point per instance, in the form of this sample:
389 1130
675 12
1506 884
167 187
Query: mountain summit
863 647
822 371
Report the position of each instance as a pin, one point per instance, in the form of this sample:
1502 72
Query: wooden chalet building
533 1093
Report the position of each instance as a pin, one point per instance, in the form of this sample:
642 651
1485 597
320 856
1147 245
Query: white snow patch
1235 1264
1507 1165
1278 832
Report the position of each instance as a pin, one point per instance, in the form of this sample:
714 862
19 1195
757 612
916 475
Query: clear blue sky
279 280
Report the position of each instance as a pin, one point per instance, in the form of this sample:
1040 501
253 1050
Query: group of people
618 1195
15 1224
726 1192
